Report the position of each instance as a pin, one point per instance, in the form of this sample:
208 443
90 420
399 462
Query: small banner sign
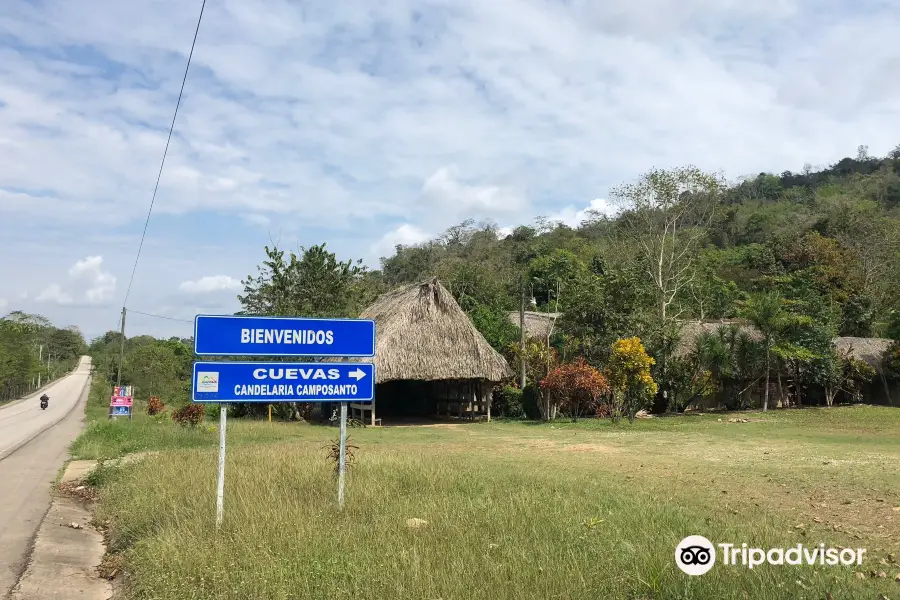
121 403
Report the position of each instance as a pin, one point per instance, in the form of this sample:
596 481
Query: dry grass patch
513 510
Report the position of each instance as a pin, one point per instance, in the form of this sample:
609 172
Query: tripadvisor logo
696 555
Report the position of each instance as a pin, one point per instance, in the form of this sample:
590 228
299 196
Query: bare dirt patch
589 448
429 426
77 490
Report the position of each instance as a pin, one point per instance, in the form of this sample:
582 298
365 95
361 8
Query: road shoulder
67 551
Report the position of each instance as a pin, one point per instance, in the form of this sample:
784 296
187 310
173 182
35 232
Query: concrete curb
63 564
82 399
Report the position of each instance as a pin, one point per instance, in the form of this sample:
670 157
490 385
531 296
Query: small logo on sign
207 381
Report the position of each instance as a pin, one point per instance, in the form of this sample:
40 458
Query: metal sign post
342 461
220 485
238 335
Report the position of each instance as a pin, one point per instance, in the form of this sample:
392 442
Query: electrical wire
165 153
137 312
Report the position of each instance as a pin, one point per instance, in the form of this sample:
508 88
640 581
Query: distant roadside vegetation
33 350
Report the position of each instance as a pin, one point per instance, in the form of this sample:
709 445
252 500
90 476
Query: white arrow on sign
357 374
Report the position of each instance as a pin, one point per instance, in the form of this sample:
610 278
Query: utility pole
522 333
40 362
121 351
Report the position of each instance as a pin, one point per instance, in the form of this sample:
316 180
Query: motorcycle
44 402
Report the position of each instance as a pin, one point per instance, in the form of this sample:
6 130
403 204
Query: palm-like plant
766 312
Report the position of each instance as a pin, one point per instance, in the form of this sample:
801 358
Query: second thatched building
429 358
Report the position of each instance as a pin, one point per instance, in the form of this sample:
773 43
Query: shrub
576 386
155 406
530 399
103 474
334 455
892 330
190 414
628 372
891 360
508 402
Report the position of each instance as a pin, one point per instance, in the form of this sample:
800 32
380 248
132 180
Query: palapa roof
868 350
421 333
537 324
692 330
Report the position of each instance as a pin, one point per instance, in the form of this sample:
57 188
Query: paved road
27 472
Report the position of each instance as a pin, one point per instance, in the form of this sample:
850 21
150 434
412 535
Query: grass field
586 510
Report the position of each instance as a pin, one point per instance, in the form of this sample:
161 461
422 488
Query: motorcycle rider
45 399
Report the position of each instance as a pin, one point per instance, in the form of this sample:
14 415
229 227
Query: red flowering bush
155 406
190 414
576 386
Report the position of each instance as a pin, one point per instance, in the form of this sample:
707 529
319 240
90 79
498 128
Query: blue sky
370 124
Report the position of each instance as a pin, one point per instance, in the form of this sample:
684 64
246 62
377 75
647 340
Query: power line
165 153
137 312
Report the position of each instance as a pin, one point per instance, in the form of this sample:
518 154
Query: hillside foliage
802 257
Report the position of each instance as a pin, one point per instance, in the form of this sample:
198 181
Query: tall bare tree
665 215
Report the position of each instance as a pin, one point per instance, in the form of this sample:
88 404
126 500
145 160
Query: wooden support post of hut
368 407
488 393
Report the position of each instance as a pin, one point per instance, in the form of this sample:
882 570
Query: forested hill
805 257
827 241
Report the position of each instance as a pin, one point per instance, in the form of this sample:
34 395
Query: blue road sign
238 335
283 382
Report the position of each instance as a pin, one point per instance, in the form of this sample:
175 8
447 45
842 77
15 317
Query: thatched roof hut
868 350
692 330
422 334
537 324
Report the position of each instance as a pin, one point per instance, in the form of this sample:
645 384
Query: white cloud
101 285
210 283
257 220
88 284
337 123
54 293
3 304
403 235
445 190
573 217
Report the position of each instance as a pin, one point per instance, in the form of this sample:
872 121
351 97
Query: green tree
603 305
31 346
665 218
843 373
153 369
766 312
552 275
313 284
495 326
892 329
540 360
628 374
